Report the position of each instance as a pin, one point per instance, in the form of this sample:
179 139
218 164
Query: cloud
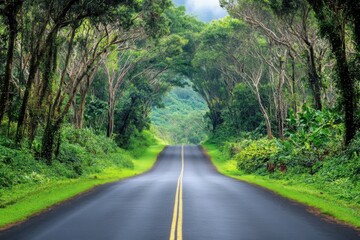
206 10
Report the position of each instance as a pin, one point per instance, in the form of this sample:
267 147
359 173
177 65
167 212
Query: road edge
91 190
314 210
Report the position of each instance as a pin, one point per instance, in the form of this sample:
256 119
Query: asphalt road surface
183 197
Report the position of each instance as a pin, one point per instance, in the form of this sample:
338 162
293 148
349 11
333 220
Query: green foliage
254 155
91 142
25 200
242 114
340 175
131 114
181 119
95 113
311 155
338 198
16 165
313 136
82 152
139 141
156 22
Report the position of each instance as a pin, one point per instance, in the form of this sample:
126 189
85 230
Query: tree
292 27
10 10
229 58
49 19
116 73
333 18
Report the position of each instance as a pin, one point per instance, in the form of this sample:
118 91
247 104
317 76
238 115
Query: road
183 197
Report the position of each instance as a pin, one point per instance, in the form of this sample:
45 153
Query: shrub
257 155
139 141
86 138
312 136
7 177
17 165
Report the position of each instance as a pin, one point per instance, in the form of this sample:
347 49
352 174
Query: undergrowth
82 155
311 159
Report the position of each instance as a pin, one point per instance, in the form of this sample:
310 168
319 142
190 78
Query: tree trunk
50 63
20 124
54 123
326 12
280 101
264 112
48 141
347 87
111 113
12 22
293 93
125 121
36 57
314 79
75 110
354 8
79 111
32 130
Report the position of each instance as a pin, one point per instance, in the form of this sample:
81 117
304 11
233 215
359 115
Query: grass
31 199
146 161
342 211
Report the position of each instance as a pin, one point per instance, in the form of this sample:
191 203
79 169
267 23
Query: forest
181 118
86 87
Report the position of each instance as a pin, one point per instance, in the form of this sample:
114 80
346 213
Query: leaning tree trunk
50 68
35 115
36 57
21 119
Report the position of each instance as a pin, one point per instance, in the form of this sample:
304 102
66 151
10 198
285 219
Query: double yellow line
177 220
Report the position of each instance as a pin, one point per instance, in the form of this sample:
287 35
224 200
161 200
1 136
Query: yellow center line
177 220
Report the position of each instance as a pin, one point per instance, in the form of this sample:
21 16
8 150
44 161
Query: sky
205 10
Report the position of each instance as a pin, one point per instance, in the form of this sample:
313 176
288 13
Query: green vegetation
337 196
181 119
86 160
279 81
78 81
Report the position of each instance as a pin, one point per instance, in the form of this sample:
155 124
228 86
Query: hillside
181 118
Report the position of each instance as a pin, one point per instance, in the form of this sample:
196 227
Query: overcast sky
206 10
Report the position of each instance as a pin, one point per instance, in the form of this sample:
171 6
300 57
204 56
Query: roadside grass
146 161
27 200
340 210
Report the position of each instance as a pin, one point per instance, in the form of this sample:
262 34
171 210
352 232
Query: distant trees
181 118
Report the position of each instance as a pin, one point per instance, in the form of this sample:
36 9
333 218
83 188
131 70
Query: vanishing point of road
182 197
